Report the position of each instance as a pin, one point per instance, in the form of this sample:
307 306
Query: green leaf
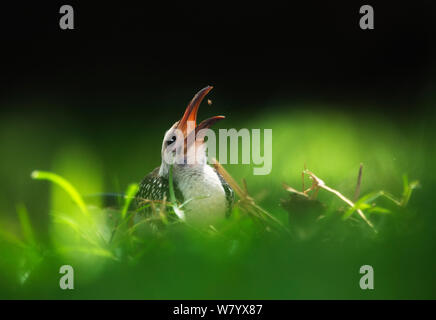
64 184
132 189
360 204
379 210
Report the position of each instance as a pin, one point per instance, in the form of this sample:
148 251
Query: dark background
252 53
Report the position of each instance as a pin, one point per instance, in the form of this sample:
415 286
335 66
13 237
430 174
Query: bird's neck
185 171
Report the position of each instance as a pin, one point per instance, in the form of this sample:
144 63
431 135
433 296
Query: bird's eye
171 141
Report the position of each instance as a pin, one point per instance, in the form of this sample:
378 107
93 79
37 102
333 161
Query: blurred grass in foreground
239 259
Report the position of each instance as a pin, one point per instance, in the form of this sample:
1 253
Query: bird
206 195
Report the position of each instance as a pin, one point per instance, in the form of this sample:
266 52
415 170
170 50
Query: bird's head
183 144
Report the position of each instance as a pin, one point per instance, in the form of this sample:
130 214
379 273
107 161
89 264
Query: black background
271 308
129 55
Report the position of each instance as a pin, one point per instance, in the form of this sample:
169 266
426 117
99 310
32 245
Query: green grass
276 244
65 185
88 245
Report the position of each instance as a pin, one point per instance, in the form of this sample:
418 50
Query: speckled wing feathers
155 187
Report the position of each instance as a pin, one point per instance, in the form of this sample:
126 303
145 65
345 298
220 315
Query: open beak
191 115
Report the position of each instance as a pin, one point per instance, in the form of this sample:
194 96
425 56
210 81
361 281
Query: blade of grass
64 184
358 204
11 238
26 226
247 203
162 211
62 219
407 190
319 183
359 182
173 200
95 251
171 186
375 195
379 210
131 192
132 189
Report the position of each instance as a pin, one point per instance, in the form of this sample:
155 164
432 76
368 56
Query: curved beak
190 114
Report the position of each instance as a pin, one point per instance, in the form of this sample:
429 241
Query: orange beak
191 114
